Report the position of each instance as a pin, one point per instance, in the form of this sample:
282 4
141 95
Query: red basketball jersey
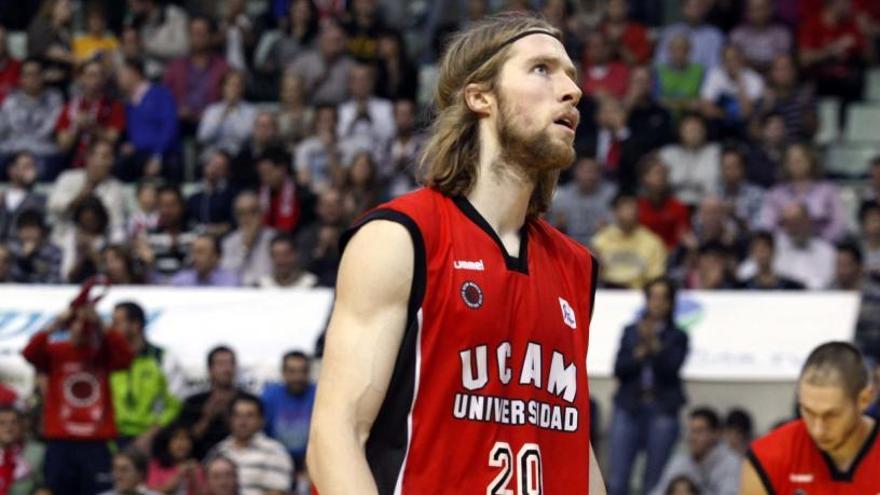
789 463
489 394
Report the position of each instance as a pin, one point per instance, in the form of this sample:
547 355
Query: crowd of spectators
198 143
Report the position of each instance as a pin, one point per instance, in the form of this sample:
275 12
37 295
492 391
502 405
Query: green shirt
32 455
674 85
141 395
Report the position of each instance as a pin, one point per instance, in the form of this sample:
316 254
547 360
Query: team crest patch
568 314
471 294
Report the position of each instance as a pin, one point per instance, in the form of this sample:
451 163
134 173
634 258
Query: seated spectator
82 243
788 95
317 162
709 461
164 248
119 266
27 120
151 144
19 195
91 116
397 77
869 223
129 473
762 254
35 260
711 271
21 466
647 118
694 164
706 40
49 38
602 76
163 30
263 464
295 116
630 255
195 79
400 171
146 396
361 186
75 352
173 469
288 406
803 184
738 431
714 223
365 116
287 270
243 173
97 43
364 25
581 207
237 33
205 270
280 48
650 392
246 249
759 38
833 50
318 241
221 477
559 13
801 255
679 80
849 268
281 200
206 414
210 209
5 265
730 92
630 37
742 197
10 68
659 209
145 215
766 152
73 186
682 485
613 145
325 70
229 123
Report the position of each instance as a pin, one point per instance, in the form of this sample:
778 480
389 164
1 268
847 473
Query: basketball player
833 449
456 353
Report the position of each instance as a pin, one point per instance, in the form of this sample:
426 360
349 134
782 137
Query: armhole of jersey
391 434
759 468
594 281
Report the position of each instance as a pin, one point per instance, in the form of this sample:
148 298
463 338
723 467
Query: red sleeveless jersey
789 463
489 393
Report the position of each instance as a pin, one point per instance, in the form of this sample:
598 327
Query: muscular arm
750 483
597 484
363 339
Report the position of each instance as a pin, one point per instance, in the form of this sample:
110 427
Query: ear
479 99
867 397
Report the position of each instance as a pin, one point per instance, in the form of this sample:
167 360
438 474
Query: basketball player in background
833 448
456 352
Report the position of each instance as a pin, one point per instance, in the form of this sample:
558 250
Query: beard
531 153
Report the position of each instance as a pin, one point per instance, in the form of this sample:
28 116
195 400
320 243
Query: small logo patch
476 266
471 294
801 478
568 316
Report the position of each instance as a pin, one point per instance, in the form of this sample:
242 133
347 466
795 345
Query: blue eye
541 69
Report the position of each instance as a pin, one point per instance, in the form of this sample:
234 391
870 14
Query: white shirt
227 128
812 264
718 82
68 186
693 173
263 464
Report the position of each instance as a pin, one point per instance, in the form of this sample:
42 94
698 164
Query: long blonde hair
450 158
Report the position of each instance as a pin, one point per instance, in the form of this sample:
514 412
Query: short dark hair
683 478
200 17
248 399
852 249
135 64
284 238
138 459
219 350
672 290
763 236
714 248
735 149
868 207
621 197
739 420
133 312
162 440
215 241
276 155
295 354
707 414
31 218
93 205
170 188
837 364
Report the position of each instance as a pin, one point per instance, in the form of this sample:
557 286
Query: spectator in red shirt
280 198
92 115
833 50
195 79
601 74
629 37
77 354
10 68
659 210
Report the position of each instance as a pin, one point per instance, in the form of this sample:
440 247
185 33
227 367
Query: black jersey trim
848 475
517 264
765 479
594 283
389 440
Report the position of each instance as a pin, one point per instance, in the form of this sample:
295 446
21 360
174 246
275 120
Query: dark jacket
32 201
668 391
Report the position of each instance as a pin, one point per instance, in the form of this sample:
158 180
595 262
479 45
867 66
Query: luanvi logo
476 266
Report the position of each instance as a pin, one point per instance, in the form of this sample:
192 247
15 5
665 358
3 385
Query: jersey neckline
848 475
519 263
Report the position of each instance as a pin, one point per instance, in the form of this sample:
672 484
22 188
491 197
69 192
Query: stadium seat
829 121
872 85
849 161
862 123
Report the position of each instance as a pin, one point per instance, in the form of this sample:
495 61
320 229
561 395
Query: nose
571 92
